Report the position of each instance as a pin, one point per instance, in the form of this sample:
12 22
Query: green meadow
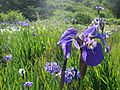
30 31
32 46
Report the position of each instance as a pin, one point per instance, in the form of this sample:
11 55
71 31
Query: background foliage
33 9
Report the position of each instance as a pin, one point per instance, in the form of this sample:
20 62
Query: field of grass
32 46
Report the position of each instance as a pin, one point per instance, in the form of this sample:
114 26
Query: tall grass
31 47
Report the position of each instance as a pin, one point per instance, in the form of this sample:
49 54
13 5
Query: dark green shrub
83 18
118 21
12 16
112 21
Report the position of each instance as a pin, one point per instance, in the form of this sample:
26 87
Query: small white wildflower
21 71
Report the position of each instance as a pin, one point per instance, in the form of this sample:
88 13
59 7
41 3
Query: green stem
63 74
81 84
82 68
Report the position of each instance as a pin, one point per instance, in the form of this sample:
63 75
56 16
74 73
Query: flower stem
82 68
63 74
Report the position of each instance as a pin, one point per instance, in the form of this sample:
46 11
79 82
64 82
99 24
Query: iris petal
76 45
91 30
92 57
66 41
100 36
67 35
67 49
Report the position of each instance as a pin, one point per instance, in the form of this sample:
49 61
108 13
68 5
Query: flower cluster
52 67
70 74
98 21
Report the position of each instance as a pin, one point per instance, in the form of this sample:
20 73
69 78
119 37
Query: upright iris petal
90 31
93 32
92 57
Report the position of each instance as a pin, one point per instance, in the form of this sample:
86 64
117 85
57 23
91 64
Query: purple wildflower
97 21
65 20
99 8
86 41
70 73
28 84
8 57
74 20
52 67
93 32
23 23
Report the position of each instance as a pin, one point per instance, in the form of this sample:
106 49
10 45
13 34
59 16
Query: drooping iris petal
66 41
92 57
67 49
68 35
76 45
100 36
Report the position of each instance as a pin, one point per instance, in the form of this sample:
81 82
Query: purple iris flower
68 76
97 21
70 73
8 57
74 20
93 32
28 84
99 8
65 20
52 67
91 51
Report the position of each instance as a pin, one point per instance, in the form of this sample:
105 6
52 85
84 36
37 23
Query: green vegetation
30 30
31 52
